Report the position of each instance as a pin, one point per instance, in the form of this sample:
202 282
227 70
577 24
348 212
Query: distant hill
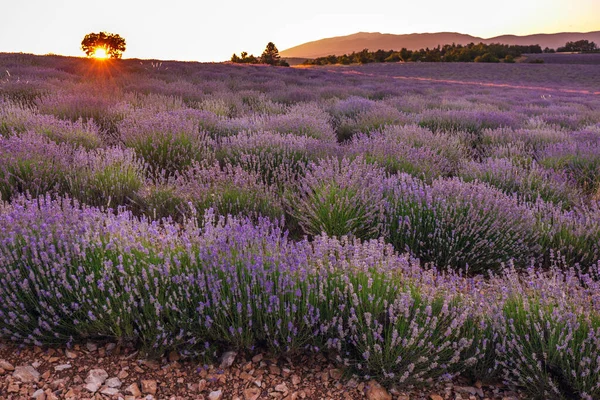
373 41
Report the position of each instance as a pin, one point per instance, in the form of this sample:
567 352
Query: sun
100 52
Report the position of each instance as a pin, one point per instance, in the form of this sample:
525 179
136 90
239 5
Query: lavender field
414 223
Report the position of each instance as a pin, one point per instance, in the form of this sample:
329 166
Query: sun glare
100 52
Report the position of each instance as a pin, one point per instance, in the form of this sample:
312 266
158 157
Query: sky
212 30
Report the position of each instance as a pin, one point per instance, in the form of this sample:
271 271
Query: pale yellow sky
213 30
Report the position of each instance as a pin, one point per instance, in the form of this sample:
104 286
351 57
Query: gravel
109 371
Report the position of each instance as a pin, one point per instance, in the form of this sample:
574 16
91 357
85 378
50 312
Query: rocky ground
94 371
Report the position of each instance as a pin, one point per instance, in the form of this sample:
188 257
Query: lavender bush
168 142
529 182
106 177
460 225
32 164
340 197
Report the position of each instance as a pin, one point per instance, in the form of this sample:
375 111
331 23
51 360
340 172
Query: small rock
110 347
465 389
251 394
2 371
113 383
97 376
70 354
246 376
134 390
202 385
123 374
282 388
274 369
376 392
58 384
174 356
92 387
62 367
39 395
435 397
335 374
257 358
26 374
227 359
91 347
12 388
36 364
5 365
109 391
216 395
352 383
295 380
149 387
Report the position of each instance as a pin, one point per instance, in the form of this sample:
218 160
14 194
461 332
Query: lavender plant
459 225
340 197
106 177
30 163
168 142
528 182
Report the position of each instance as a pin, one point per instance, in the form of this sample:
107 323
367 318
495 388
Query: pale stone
134 390
26 374
295 380
149 387
282 388
216 395
5 365
91 346
113 383
227 359
376 392
109 391
251 394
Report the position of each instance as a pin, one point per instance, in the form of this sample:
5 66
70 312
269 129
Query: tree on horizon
270 55
113 44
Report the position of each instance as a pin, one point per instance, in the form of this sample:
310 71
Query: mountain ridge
339 45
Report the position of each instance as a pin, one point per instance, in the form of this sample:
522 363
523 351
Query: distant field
564 58
554 76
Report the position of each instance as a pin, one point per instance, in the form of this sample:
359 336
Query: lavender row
460 223
71 272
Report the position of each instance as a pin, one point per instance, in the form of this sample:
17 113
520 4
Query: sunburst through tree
103 45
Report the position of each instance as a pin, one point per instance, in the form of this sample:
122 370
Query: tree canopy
270 56
481 52
580 46
112 44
